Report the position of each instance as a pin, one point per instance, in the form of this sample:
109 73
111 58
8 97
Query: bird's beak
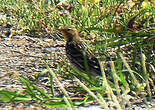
60 29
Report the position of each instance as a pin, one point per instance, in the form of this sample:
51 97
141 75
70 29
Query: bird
78 53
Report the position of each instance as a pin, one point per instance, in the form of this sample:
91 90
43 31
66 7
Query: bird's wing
92 61
77 53
75 56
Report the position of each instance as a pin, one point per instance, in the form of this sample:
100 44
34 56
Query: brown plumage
77 52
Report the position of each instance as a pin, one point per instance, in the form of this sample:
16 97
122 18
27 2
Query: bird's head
69 33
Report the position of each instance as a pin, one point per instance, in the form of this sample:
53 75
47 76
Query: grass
122 30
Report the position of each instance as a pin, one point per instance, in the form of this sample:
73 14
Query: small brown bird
78 53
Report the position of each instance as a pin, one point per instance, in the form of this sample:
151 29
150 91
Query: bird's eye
68 29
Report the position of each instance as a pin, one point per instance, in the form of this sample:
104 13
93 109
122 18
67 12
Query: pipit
78 53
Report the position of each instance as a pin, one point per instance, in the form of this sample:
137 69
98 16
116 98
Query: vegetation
120 32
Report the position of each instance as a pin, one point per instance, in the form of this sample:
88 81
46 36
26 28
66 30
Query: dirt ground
25 55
